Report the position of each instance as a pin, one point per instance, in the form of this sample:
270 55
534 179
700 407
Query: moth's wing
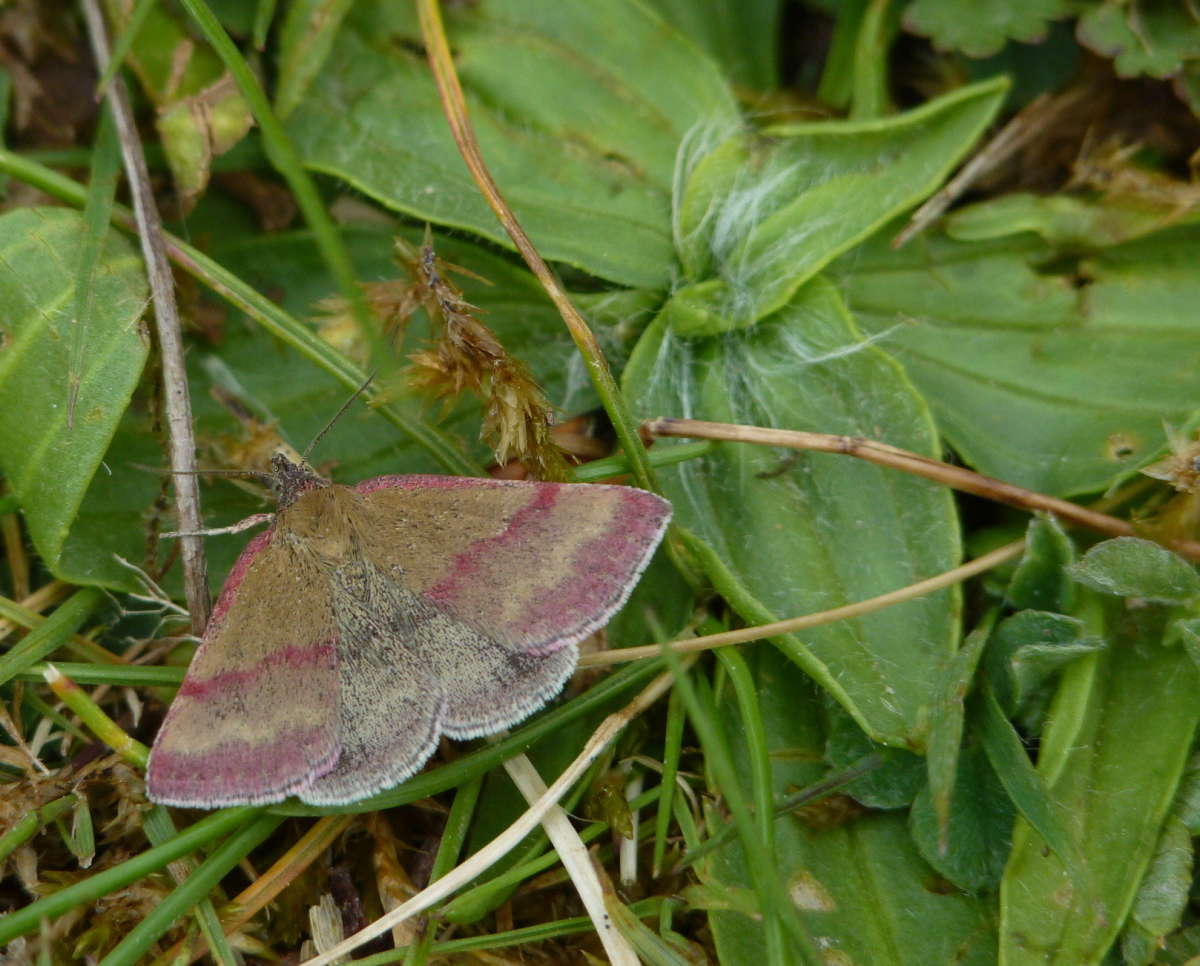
256 716
393 703
517 573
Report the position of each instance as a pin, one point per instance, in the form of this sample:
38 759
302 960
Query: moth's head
289 479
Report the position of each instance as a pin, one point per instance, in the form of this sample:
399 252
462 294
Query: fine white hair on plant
737 220
795 348
697 143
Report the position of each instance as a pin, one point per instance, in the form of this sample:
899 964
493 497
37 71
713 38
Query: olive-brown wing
255 719
510 576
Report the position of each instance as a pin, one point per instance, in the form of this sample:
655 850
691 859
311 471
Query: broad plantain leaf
48 464
864 892
782 534
1043 369
579 109
1112 755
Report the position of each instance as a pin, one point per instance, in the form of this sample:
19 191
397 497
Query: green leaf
970 844
1162 896
579 109
983 27
1025 787
894 784
1131 567
862 888
48 465
757 218
1113 760
1040 581
946 727
1043 370
1029 646
782 534
1062 220
1152 39
309 30
740 35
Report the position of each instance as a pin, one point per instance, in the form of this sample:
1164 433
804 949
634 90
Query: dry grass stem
760 632
891 456
576 860
507 840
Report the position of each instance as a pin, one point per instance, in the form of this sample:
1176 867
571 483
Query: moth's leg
251 521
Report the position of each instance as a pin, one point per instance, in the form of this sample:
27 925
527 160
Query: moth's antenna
336 416
251 474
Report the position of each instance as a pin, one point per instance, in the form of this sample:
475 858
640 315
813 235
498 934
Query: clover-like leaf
981 28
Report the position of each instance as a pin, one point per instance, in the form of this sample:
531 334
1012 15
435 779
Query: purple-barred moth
369 620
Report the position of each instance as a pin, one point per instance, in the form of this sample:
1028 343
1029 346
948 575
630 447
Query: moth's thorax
323 521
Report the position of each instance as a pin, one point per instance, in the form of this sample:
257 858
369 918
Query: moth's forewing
520 572
256 716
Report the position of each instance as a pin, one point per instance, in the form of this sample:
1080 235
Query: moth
369 620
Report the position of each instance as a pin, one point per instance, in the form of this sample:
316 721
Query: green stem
160 828
27 827
672 752
51 633
92 715
703 714
458 823
755 737
121 675
283 156
659 456
27 920
139 940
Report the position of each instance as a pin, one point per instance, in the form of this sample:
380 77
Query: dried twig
162 293
884 455
454 105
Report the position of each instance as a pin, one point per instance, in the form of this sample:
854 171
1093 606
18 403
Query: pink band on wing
292 657
280 766
468 563
605 566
